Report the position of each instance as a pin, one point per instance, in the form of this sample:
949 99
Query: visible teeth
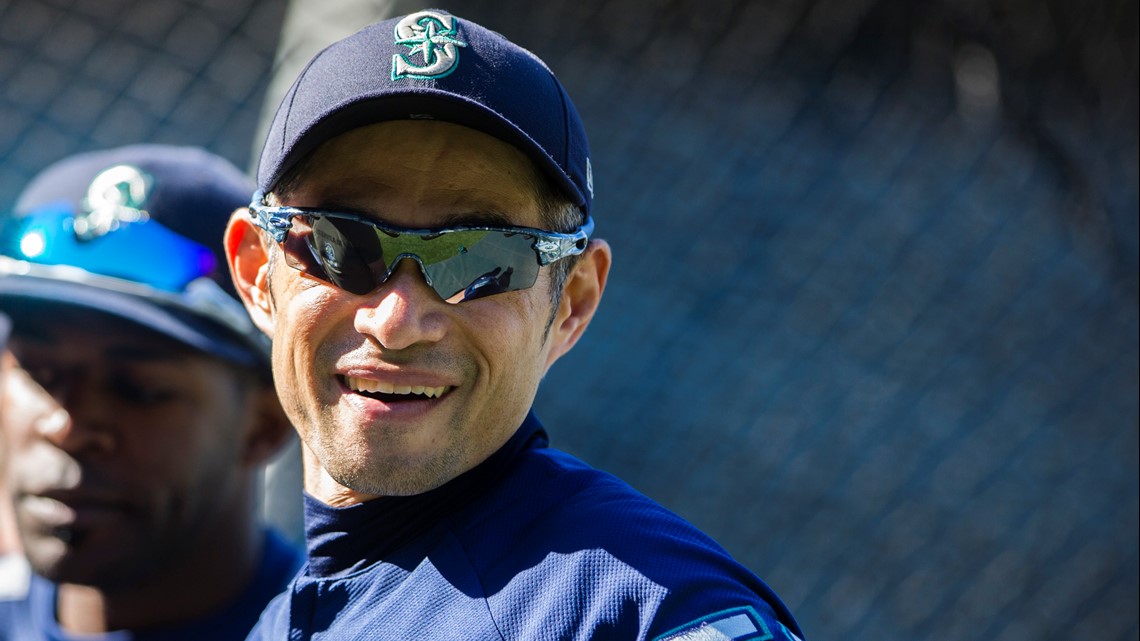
380 387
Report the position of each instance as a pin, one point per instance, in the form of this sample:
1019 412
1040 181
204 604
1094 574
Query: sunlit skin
131 469
490 353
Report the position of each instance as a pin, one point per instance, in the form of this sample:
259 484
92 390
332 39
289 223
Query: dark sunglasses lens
481 263
341 252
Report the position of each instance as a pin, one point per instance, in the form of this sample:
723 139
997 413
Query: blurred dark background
872 321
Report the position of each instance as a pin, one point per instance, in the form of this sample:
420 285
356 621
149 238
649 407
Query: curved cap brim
26 299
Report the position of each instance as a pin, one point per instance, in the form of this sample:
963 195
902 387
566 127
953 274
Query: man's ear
581 294
248 259
269 431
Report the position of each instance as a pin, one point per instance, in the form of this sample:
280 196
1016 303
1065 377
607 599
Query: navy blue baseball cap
432 65
135 232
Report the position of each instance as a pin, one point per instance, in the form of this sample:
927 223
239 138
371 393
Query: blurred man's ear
581 294
248 259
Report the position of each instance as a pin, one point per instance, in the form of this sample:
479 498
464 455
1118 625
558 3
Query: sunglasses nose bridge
415 259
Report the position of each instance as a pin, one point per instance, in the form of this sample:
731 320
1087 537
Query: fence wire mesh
873 316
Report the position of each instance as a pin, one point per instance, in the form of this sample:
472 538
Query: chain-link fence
873 316
78 75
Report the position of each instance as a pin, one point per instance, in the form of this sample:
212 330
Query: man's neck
323 487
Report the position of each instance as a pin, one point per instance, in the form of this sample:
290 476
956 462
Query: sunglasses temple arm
557 247
275 220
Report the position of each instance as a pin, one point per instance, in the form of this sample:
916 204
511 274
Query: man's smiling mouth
388 392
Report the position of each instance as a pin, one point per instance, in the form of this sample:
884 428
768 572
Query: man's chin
369 480
69 558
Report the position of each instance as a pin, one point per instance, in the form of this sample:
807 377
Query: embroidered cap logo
432 37
117 195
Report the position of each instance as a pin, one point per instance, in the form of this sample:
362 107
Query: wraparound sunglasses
358 254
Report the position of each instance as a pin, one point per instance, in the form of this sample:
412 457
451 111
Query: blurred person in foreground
14 572
419 251
138 408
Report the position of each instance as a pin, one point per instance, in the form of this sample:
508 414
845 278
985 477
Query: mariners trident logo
116 196
431 37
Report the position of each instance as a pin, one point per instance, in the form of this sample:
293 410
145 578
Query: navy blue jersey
32 618
531 545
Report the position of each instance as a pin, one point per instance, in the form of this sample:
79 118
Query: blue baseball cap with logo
135 232
432 65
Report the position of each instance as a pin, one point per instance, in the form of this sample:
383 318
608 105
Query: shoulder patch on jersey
734 624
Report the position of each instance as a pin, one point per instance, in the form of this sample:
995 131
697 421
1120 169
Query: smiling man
137 407
419 251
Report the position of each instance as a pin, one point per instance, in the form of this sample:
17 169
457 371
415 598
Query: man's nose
403 311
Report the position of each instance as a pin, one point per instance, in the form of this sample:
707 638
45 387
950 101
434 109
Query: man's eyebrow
36 349
476 218
34 333
336 206
484 218
137 354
